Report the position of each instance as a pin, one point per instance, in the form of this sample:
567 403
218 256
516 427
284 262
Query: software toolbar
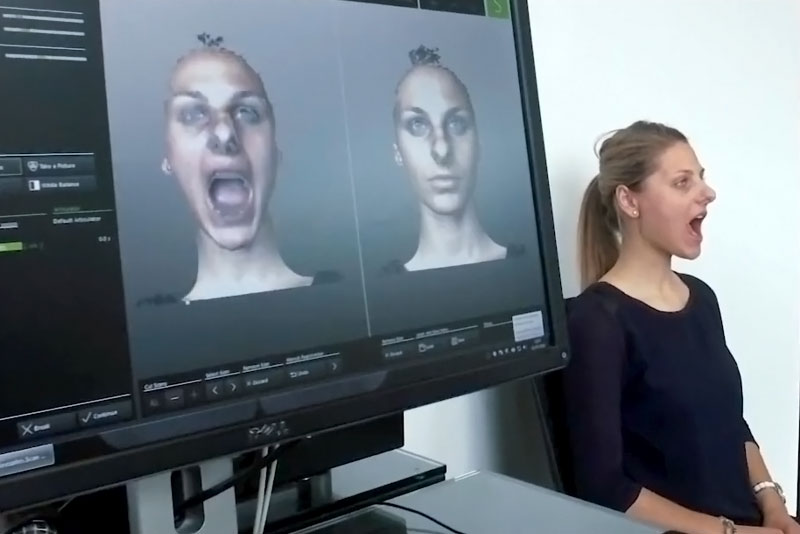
491 8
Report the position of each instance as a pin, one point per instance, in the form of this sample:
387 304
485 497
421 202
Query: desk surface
487 503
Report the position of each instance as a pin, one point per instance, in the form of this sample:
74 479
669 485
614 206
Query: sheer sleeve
747 434
593 383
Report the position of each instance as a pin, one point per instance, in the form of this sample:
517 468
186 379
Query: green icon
11 247
498 9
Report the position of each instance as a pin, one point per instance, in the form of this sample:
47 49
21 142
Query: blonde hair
626 158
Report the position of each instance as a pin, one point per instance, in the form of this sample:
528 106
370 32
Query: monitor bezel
50 484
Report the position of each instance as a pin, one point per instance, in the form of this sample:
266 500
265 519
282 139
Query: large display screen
234 210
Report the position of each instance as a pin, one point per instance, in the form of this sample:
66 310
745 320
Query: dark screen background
62 322
375 44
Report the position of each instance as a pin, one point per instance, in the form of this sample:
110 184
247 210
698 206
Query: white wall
727 72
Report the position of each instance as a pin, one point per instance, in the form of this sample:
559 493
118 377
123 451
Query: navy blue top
654 399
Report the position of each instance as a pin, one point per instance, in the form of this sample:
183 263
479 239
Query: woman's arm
653 508
769 501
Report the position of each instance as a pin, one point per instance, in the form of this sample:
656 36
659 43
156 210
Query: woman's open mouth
695 227
230 196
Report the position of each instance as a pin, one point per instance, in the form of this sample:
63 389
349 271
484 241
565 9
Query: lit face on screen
437 141
220 144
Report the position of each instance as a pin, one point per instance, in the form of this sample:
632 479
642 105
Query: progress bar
15 246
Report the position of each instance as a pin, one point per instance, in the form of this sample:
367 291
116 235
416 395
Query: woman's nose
223 138
441 149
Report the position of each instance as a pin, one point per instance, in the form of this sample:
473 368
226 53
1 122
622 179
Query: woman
437 144
221 148
653 396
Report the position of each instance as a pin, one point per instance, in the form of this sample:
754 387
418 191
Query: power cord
422 514
265 485
224 486
262 488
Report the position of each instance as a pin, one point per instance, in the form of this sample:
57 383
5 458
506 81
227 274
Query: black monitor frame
57 482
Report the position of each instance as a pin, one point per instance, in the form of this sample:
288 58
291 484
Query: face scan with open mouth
221 144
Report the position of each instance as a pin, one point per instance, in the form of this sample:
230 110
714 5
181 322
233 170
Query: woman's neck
646 273
256 268
447 240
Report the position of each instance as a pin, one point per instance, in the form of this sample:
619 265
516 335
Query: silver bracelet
761 486
727 526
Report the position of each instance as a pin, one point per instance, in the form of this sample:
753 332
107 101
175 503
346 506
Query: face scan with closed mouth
220 144
437 139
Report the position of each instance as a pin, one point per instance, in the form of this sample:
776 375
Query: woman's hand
782 522
758 530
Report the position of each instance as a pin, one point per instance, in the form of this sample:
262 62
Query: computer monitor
229 224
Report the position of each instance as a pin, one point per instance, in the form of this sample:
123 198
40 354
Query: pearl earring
635 213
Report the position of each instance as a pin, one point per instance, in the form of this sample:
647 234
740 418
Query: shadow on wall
520 447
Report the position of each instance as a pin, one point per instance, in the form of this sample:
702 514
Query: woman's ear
398 158
627 202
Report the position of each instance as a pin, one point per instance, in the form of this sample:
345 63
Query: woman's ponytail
597 241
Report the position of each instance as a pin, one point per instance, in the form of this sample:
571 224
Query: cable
224 486
262 484
422 514
273 468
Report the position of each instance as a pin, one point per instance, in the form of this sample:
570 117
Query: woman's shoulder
698 287
597 298
597 332
595 308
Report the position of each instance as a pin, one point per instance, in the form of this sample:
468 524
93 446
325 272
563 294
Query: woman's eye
193 115
458 125
247 114
418 127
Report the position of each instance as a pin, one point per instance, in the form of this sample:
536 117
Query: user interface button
58 165
10 166
105 414
64 184
15 462
46 426
263 380
303 371
462 339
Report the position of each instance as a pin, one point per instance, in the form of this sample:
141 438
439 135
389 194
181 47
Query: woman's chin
447 205
689 253
232 237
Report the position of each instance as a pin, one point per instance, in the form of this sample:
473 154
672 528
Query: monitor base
145 506
151 502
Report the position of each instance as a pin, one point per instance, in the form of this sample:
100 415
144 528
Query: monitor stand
294 505
151 502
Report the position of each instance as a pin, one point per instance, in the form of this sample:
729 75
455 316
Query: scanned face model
437 138
221 148
221 144
437 145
